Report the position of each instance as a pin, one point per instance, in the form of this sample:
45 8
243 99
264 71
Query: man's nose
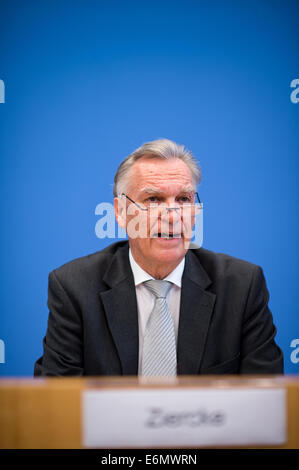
172 211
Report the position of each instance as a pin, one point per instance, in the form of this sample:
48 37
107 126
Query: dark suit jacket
225 325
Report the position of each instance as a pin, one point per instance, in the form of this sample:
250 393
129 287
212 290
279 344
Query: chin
169 254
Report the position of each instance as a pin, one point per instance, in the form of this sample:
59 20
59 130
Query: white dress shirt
146 300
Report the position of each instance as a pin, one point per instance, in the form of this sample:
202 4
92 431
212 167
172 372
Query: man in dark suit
156 305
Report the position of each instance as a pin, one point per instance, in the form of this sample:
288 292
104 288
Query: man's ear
120 211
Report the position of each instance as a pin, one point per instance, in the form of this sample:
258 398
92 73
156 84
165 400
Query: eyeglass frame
167 208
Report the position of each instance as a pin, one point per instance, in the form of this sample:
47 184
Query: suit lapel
195 315
121 310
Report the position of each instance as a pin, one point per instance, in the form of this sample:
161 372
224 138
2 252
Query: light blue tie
159 348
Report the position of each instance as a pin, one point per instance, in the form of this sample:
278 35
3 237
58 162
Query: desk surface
45 413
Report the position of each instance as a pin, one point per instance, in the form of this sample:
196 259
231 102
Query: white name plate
183 417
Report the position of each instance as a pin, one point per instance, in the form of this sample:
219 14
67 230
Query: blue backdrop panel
86 82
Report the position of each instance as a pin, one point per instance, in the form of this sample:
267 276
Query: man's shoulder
223 265
90 267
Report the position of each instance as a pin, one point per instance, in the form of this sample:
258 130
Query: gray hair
161 148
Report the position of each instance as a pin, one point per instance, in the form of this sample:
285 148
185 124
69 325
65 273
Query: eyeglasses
153 206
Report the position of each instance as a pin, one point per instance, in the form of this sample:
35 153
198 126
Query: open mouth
167 236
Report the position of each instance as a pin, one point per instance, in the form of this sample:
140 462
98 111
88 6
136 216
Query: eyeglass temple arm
131 200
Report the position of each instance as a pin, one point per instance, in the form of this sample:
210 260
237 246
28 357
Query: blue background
87 82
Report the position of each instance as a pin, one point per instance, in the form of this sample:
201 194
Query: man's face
166 182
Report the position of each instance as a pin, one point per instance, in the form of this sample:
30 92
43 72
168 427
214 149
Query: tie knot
158 288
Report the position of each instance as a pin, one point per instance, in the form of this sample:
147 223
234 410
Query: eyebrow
153 190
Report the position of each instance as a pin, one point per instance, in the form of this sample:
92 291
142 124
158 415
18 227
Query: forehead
160 173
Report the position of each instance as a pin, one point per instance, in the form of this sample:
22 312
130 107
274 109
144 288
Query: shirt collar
141 276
